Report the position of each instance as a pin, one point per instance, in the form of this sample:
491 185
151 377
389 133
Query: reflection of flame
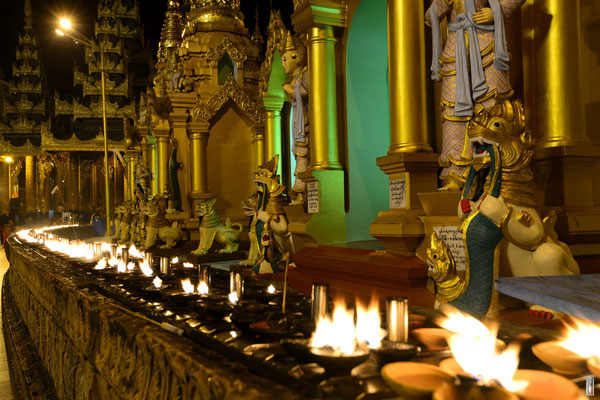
146 270
475 350
174 260
202 288
130 266
187 286
157 282
368 325
121 266
271 289
134 252
233 297
338 333
582 338
188 265
101 264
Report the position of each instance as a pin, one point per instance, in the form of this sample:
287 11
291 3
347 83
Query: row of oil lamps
342 335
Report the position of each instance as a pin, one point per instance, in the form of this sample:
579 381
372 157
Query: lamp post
78 37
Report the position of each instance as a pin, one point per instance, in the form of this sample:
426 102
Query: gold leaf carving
276 35
226 46
205 111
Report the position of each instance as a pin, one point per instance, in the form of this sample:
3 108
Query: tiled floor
5 388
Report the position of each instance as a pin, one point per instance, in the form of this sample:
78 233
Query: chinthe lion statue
158 227
503 233
270 241
127 214
212 228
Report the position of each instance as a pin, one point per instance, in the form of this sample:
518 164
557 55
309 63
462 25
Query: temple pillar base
570 179
328 224
399 229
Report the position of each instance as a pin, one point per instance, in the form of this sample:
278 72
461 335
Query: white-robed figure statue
473 68
293 61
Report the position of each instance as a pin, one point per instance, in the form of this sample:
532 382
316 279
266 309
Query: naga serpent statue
503 233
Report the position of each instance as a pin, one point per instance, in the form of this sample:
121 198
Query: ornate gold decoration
170 37
226 46
27 149
300 3
504 126
44 167
212 228
444 281
276 36
50 143
205 111
233 4
15 169
62 107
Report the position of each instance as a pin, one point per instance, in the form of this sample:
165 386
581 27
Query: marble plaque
398 193
312 197
454 240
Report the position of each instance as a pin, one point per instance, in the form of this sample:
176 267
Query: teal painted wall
368 116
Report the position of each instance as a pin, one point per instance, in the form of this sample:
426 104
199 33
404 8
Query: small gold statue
211 228
158 227
293 61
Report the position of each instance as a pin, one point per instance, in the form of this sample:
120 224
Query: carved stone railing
94 348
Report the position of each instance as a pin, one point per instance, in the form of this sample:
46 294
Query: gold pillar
320 21
199 132
272 137
551 46
407 77
152 154
324 152
566 164
258 141
162 150
72 183
94 186
410 164
4 189
30 178
131 157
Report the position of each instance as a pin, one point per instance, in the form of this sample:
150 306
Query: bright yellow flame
65 23
113 262
59 32
338 333
157 282
271 289
582 338
368 325
187 265
134 252
233 297
174 260
187 286
8 159
130 266
101 264
475 349
145 268
202 288
121 267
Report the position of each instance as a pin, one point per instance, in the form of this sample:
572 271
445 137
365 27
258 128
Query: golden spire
28 18
225 12
232 4
170 37
257 37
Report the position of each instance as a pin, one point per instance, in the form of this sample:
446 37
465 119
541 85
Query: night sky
59 54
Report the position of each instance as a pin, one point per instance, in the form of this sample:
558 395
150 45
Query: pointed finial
28 12
257 38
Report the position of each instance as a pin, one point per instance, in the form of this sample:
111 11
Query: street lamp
68 31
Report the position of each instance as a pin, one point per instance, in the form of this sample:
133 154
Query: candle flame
130 266
475 349
145 268
113 262
134 252
339 333
105 247
368 325
121 266
582 338
233 297
271 289
202 288
175 260
188 265
101 264
187 286
157 282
